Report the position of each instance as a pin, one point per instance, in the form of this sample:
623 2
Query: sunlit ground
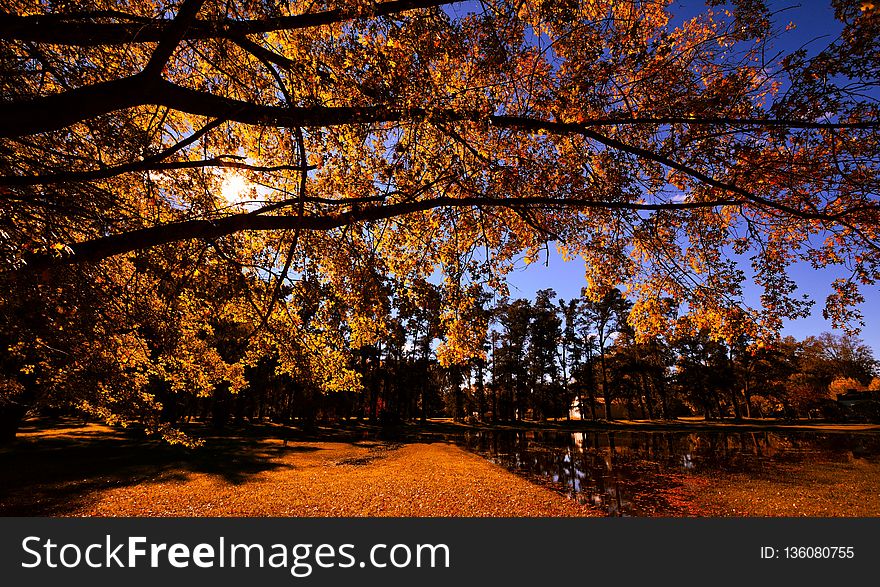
93 470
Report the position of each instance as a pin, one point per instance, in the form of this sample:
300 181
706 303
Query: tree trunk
481 393
734 399
591 388
645 411
649 397
747 396
606 393
425 363
220 405
664 404
11 416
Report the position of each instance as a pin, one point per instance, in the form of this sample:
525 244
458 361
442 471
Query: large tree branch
647 154
145 238
262 53
64 109
221 162
727 121
60 110
172 36
82 30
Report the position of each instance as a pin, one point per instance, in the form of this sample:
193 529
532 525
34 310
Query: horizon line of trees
547 359
540 359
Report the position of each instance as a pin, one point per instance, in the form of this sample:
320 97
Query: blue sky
816 27
567 279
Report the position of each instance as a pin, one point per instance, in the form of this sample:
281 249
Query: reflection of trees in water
622 471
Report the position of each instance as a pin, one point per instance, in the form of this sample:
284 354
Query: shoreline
684 425
439 428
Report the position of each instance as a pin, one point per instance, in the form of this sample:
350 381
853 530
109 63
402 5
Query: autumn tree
419 307
763 372
571 355
830 356
823 359
369 143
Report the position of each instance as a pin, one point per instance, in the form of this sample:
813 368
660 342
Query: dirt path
336 479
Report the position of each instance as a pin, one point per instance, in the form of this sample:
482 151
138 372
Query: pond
638 473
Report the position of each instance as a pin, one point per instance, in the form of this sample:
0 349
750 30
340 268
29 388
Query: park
315 258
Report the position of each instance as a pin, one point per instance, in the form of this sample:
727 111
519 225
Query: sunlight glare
234 188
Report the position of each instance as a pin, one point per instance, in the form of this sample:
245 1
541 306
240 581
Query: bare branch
222 162
80 29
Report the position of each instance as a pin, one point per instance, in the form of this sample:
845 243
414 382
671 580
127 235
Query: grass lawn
826 489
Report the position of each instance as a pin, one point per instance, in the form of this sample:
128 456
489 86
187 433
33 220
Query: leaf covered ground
827 489
95 471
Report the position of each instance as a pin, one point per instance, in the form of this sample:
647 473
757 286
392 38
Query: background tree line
542 358
553 358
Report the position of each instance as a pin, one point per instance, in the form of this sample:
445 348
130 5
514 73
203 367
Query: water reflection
638 473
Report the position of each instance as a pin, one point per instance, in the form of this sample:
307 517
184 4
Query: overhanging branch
221 162
56 111
84 31
145 238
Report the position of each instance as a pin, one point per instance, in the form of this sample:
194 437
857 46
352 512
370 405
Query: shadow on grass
55 469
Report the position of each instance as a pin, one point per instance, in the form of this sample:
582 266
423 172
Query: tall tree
607 315
545 332
511 373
